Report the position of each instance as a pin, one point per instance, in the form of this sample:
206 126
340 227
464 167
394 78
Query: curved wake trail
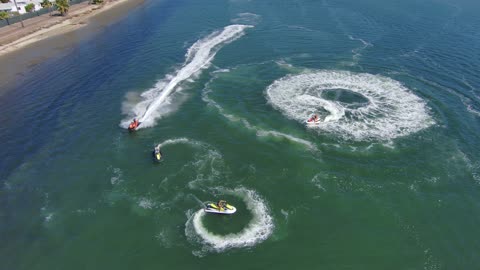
259 228
198 57
392 110
259 132
181 140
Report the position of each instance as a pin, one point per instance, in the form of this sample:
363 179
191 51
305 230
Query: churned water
389 178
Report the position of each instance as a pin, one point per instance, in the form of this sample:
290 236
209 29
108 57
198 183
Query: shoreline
55 38
55 25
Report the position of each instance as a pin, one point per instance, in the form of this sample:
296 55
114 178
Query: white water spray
183 141
391 111
259 131
258 229
198 57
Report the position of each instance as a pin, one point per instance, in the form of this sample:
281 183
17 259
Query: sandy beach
48 36
14 37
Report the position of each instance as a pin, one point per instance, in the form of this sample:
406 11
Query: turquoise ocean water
390 178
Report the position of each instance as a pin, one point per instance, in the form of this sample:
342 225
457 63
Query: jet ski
214 208
157 154
313 120
133 125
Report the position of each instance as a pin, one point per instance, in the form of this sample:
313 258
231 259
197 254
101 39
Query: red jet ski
133 125
314 120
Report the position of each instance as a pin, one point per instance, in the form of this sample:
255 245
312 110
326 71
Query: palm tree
16 8
30 7
62 6
47 4
3 15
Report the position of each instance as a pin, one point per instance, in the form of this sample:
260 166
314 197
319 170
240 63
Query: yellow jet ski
157 154
222 207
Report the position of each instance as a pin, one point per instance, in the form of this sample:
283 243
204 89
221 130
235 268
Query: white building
7 7
10 6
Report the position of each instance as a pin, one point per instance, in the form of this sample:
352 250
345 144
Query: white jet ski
227 209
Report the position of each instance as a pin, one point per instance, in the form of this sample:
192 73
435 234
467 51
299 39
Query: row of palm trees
61 5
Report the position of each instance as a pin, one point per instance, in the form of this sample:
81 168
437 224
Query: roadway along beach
14 37
50 35
388 178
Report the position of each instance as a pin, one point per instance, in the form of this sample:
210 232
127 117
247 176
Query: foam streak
259 229
198 57
392 110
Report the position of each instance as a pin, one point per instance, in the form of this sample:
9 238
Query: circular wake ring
257 230
392 110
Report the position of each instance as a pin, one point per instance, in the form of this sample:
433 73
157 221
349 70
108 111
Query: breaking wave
382 108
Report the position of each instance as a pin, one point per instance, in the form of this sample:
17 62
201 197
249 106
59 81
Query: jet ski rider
134 124
222 204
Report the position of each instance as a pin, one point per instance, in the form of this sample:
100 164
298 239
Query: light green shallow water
391 181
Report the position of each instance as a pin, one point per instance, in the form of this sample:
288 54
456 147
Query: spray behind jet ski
134 125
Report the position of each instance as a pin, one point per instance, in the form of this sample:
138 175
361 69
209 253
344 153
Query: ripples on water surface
389 180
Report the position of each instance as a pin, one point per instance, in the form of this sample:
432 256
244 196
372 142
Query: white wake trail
198 57
392 110
259 131
259 228
182 141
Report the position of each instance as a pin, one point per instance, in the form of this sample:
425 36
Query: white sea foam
146 203
473 167
117 176
208 167
258 229
49 217
247 18
183 141
272 133
164 238
392 110
317 181
207 164
46 209
468 102
357 51
157 101
85 211
470 108
259 132
222 70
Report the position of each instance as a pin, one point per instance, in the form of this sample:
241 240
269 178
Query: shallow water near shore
57 43
390 179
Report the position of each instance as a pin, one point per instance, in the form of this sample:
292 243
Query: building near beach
10 6
7 7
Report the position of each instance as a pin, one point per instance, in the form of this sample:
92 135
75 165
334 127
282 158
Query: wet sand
25 53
